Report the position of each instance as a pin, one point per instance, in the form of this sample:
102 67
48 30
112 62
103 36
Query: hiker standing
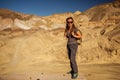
72 34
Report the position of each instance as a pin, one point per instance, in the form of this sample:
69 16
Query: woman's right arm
65 34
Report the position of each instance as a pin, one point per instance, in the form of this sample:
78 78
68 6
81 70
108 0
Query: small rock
63 74
38 79
89 74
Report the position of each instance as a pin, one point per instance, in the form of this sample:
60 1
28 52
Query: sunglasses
70 22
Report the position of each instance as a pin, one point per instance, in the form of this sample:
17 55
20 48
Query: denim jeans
72 49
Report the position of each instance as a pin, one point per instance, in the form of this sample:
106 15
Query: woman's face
70 22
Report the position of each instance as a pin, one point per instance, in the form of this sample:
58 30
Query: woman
72 34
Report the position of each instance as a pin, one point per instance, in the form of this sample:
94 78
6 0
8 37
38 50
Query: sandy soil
59 72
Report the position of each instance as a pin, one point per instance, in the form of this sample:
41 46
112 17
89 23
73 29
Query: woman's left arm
77 35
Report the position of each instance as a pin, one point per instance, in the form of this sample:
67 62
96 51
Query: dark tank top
71 39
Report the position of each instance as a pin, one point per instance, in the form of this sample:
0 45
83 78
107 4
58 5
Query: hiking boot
74 75
70 72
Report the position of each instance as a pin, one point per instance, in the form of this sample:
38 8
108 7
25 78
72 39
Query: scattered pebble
38 79
89 74
63 74
30 78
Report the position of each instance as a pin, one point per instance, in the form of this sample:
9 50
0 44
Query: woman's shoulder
76 29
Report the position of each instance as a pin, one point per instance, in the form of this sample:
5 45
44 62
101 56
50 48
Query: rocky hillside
104 12
5 13
38 40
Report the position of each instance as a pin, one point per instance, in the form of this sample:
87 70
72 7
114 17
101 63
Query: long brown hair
67 27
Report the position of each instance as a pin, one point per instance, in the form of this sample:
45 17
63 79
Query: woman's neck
70 27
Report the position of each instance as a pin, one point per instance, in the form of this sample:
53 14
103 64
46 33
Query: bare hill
104 12
39 40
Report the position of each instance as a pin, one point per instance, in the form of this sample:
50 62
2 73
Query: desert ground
59 72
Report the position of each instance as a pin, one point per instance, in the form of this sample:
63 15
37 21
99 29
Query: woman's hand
73 34
78 35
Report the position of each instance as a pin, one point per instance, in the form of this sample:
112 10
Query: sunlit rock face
27 40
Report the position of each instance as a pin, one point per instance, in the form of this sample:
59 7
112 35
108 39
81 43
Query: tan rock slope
29 40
